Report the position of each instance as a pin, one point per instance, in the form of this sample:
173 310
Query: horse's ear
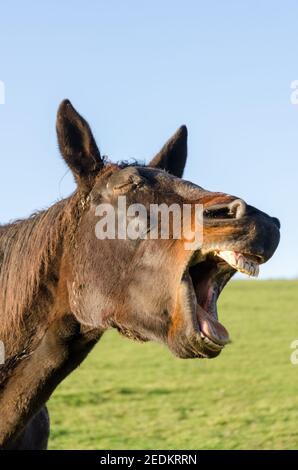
77 145
172 157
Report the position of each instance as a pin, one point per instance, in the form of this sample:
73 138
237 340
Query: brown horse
62 287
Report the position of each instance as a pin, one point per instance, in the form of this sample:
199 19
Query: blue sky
137 70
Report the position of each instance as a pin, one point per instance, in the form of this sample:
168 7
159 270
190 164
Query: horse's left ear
77 145
172 157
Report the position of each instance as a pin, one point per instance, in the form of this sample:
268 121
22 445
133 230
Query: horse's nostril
276 221
233 210
238 208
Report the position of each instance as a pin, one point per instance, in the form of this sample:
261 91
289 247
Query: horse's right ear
77 145
172 157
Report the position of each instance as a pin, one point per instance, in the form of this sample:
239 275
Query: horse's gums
61 287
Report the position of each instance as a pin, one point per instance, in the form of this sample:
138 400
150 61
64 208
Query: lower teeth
210 343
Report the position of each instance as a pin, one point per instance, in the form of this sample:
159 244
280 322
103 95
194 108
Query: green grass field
138 396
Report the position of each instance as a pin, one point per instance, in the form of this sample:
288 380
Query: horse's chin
202 282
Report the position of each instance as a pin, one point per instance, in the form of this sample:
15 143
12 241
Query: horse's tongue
211 328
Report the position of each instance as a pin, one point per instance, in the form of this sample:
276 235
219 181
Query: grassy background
137 396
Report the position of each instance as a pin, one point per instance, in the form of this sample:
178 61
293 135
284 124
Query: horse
62 287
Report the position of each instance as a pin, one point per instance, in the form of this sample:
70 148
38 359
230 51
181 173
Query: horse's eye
128 186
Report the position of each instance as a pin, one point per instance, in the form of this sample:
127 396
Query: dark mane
26 248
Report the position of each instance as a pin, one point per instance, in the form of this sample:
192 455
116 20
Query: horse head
156 288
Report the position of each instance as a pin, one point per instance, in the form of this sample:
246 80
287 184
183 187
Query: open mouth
203 281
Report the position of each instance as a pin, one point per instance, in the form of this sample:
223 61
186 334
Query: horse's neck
61 350
56 343
49 342
21 342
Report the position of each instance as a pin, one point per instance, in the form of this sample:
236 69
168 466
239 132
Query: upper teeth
239 262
